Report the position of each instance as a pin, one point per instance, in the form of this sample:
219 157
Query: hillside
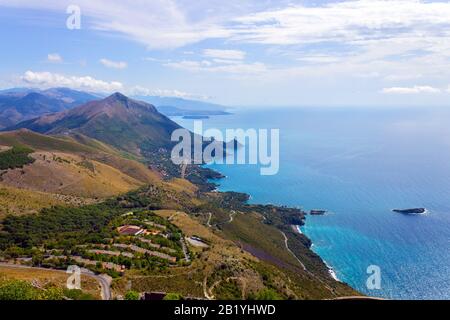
68 174
116 120
22 202
65 171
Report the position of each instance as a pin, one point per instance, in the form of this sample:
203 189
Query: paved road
103 280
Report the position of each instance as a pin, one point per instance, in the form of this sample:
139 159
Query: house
130 230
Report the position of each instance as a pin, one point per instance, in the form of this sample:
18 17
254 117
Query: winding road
103 280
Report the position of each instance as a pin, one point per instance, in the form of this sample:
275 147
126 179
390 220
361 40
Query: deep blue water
360 163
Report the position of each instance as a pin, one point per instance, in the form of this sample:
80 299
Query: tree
132 295
268 294
17 290
172 296
52 293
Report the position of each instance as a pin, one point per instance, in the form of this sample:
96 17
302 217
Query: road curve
105 283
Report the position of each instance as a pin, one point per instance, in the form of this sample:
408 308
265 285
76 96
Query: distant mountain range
117 120
21 104
171 106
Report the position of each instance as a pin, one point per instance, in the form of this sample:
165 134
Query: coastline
330 268
332 272
296 228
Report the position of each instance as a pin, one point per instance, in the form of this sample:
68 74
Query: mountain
19 104
117 120
172 106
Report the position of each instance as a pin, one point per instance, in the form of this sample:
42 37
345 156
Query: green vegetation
11 289
268 294
89 236
172 296
17 290
76 294
132 295
59 227
16 157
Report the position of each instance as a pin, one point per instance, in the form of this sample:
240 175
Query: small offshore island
317 212
414 211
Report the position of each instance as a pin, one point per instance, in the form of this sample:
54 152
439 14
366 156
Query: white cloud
401 77
319 58
48 80
157 24
54 58
213 66
113 64
142 91
224 54
345 21
411 90
176 23
387 38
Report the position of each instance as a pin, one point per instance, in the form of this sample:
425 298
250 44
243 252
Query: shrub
132 295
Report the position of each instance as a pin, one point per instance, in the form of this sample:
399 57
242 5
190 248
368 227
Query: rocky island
413 211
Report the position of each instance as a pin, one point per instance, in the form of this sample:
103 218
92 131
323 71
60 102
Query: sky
234 52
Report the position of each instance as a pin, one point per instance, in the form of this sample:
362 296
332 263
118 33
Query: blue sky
256 53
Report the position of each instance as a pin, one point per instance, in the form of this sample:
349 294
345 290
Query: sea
359 163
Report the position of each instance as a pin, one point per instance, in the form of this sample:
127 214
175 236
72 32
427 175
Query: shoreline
330 268
296 228
331 271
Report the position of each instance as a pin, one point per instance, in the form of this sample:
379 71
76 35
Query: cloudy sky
235 52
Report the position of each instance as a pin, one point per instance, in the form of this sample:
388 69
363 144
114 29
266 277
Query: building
130 230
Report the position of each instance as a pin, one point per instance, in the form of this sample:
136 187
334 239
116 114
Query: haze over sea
360 163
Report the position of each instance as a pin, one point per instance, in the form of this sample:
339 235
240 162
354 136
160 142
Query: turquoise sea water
360 163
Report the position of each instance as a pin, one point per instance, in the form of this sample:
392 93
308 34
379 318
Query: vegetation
21 202
59 227
268 294
17 290
13 289
172 296
16 157
132 295
88 236
76 294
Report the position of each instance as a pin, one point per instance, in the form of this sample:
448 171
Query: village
136 241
